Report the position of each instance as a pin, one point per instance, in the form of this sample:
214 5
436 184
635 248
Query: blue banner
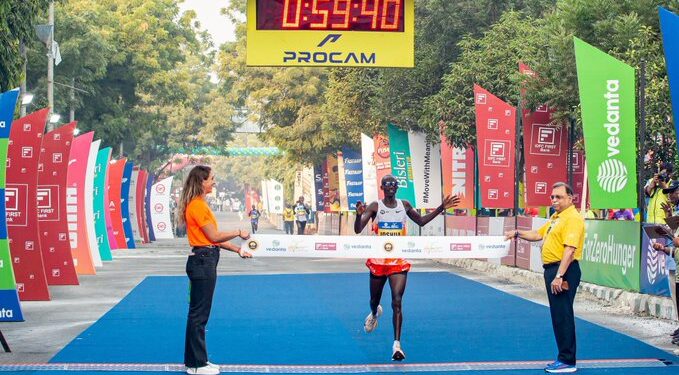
125 204
353 173
654 274
318 187
669 26
8 102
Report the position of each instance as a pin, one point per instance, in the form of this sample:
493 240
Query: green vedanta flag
607 99
401 167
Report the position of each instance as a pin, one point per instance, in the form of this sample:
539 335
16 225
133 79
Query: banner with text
89 204
382 160
369 170
141 203
75 204
496 142
21 206
319 171
458 173
132 204
654 271
333 185
401 163
125 191
149 225
100 177
353 176
275 195
160 209
115 182
608 102
426 161
669 26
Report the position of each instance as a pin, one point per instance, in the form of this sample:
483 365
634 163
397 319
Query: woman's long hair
193 187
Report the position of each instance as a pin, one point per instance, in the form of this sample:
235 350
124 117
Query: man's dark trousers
202 271
561 309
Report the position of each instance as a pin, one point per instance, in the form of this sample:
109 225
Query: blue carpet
318 319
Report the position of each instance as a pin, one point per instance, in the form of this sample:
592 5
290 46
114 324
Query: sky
210 18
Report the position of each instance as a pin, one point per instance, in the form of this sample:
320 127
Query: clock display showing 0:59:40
337 15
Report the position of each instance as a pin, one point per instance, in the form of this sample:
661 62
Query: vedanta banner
496 140
52 177
607 99
401 164
669 26
9 299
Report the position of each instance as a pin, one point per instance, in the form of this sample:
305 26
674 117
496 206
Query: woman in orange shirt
201 267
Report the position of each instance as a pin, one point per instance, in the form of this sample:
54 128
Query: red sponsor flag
458 172
115 182
496 134
545 152
578 160
382 160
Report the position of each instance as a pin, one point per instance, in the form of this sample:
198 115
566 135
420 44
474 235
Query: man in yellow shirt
564 237
289 219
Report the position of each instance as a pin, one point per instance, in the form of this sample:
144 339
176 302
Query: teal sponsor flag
611 255
100 206
401 167
607 99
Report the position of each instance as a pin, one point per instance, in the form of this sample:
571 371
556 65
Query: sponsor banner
51 200
149 223
125 191
360 247
369 169
578 160
458 172
353 176
669 26
308 187
611 254
319 191
333 184
21 206
140 202
401 163
326 186
608 102
9 299
654 272
89 204
115 183
160 209
382 160
344 203
99 198
132 204
275 196
426 162
75 204
545 152
495 133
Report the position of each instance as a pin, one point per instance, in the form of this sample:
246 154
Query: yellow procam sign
366 33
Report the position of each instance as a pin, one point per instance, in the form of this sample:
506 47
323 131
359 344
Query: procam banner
608 102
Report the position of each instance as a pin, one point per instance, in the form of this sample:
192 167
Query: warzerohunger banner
160 209
23 154
496 137
669 25
51 195
545 153
426 161
608 102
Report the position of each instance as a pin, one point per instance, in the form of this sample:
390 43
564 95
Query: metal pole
642 136
22 49
50 67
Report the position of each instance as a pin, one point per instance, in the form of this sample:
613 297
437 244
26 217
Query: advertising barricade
115 183
536 247
89 204
611 254
496 133
51 196
23 153
654 272
125 204
460 225
509 223
9 298
160 209
99 199
75 204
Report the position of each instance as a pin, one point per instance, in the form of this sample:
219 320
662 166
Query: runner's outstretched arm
364 215
449 202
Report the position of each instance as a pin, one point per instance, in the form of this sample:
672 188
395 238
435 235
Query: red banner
75 204
578 160
51 193
496 134
458 172
140 201
115 183
545 152
23 155
522 246
382 160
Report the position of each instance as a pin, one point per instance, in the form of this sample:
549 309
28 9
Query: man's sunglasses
558 196
390 184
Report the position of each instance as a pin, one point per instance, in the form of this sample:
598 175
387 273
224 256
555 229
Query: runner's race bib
387 228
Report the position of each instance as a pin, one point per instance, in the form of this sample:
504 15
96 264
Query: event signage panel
132 204
275 196
608 101
353 176
23 154
360 247
125 192
115 182
401 163
669 26
140 202
149 185
333 184
654 277
89 204
495 133
75 204
369 169
545 152
160 209
367 33
51 196
458 172
99 197
611 254
426 161
319 171
9 298
382 160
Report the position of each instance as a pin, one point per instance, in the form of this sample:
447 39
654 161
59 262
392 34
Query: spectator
289 219
623 214
654 190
